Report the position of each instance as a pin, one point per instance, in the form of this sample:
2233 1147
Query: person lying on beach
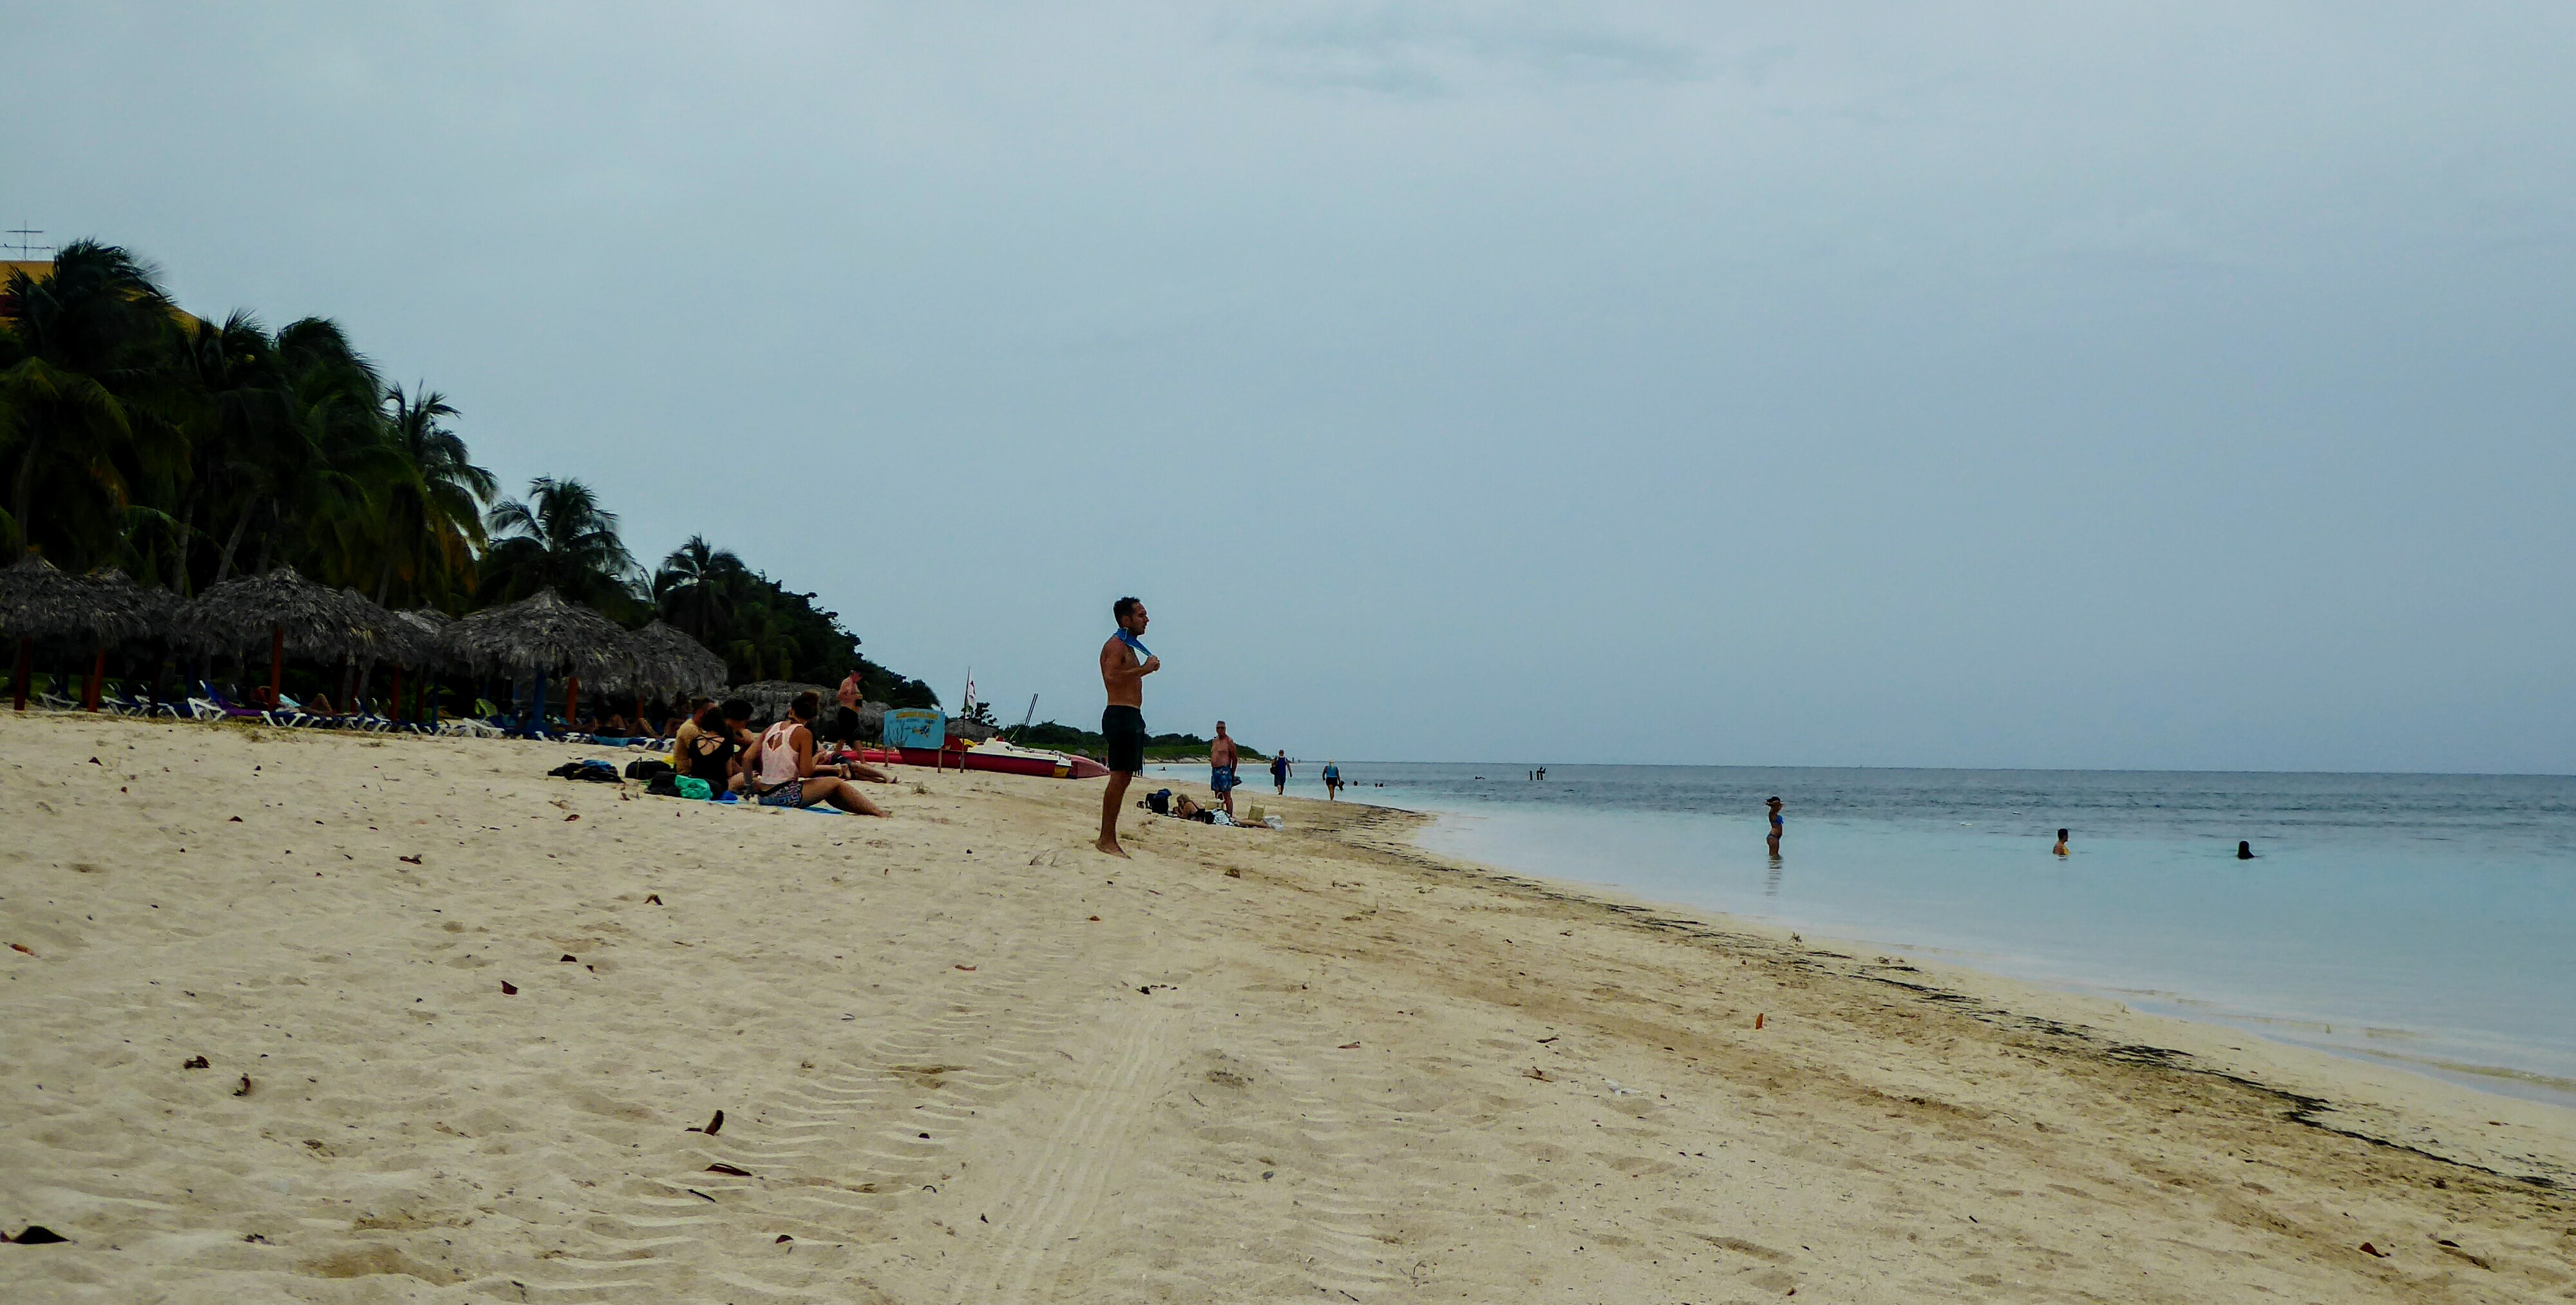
847 765
782 771
1184 808
615 726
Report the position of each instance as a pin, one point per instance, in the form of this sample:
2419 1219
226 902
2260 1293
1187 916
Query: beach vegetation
185 452
1158 747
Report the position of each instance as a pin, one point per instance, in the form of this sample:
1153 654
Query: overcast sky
2188 386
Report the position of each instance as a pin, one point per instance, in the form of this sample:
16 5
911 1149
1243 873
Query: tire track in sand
1061 1186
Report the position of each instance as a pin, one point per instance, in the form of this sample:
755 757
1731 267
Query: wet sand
964 1058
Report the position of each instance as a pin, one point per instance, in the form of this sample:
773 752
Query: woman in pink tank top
783 771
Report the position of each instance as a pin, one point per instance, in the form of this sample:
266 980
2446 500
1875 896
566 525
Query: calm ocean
2424 920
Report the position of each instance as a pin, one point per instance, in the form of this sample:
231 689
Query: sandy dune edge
947 1080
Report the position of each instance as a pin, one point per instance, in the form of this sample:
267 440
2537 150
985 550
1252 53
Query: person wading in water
1124 664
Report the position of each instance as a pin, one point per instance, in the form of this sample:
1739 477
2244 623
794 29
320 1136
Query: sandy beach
464 1030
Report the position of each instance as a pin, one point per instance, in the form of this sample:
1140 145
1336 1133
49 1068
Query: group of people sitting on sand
777 767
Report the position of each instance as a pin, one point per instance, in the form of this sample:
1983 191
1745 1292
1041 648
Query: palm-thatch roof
769 698
246 611
377 635
543 635
664 659
124 609
37 601
430 631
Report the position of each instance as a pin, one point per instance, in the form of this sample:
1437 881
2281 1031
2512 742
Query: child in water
2060 849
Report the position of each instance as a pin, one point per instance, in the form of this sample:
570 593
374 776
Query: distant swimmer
2244 850
1776 826
2060 849
1124 664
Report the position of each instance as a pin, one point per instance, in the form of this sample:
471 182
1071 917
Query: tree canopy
186 452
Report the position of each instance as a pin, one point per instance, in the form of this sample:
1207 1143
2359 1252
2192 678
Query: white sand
949 1082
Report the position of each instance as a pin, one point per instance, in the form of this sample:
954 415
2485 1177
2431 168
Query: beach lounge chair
135 704
213 705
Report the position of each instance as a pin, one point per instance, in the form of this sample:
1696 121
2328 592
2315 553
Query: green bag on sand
693 787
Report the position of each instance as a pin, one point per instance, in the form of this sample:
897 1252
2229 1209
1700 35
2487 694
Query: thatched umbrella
430 649
296 614
540 636
120 609
374 635
663 659
39 602
769 698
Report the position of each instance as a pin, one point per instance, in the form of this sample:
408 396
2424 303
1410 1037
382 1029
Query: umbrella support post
537 708
399 713
572 702
97 674
26 668
276 664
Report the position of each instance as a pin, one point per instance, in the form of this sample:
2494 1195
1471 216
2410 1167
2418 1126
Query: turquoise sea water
2424 920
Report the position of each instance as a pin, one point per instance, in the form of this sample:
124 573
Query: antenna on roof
24 246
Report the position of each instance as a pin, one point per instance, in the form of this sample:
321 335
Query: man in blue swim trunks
1222 760
1124 664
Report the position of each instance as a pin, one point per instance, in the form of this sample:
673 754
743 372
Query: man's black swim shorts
1124 729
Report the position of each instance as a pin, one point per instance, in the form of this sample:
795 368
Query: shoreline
2387 1104
2456 1063
962 1056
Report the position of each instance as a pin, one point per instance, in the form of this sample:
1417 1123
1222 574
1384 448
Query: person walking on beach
1222 759
1774 840
1332 781
845 722
1124 664
2060 849
1280 770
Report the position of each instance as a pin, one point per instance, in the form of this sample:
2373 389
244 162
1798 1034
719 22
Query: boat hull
1043 767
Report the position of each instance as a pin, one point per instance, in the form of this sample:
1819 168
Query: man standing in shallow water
1124 664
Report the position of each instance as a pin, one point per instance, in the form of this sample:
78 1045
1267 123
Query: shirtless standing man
1222 760
1124 664
845 724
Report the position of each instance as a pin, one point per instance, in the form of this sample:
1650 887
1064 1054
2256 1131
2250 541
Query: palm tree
761 644
335 411
434 506
233 412
559 538
80 344
696 588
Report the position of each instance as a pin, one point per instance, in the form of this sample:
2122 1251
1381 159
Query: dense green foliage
1158 747
185 452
